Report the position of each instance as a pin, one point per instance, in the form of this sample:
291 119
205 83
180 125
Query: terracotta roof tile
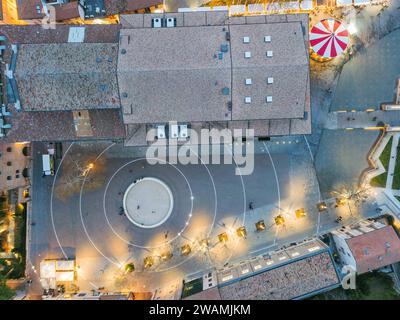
28 9
375 249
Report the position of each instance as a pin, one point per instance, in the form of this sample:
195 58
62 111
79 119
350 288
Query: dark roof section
30 9
67 76
67 11
94 9
94 33
121 6
132 5
59 126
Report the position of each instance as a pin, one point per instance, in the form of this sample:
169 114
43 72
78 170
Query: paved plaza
93 226
369 78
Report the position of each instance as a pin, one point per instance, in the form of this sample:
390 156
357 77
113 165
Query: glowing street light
204 244
185 250
279 220
223 237
166 256
341 201
322 206
89 167
129 267
300 213
241 232
260 226
352 29
148 262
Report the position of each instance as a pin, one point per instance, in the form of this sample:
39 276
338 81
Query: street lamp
260 226
223 237
279 220
185 250
148 262
89 167
166 255
322 206
341 201
204 244
241 232
300 213
130 267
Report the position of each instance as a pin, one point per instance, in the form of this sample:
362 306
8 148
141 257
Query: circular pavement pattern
148 202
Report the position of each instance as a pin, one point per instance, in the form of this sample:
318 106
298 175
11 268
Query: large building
297 271
200 70
367 246
211 71
80 9
14 162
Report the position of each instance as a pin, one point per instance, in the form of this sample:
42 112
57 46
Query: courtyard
99 211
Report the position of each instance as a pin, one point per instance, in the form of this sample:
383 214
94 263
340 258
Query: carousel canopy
329 38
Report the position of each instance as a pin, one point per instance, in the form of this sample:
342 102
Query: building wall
12 164
344 251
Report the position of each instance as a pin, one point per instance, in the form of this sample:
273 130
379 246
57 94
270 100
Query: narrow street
361 119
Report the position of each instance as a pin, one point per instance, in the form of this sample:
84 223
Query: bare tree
79 168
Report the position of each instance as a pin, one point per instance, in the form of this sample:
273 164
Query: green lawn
192 287
370 286
380 181
5 292
396 177
14 268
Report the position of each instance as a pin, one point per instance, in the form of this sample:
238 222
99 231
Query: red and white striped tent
329 38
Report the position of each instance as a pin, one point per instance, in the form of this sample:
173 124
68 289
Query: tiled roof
94 33
288 67
289 281
209 294
59 126
65 11
120 6
69 76
30 9
132 5
375 249
181 73
173 75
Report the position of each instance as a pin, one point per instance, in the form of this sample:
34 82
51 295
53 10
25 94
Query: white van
48 165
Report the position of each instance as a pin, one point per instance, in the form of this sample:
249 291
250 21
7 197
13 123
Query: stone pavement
360 119
392 161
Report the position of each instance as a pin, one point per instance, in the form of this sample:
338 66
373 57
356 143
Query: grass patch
5 292
396 177
20 241
380 181
370 286
192 287
14 268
